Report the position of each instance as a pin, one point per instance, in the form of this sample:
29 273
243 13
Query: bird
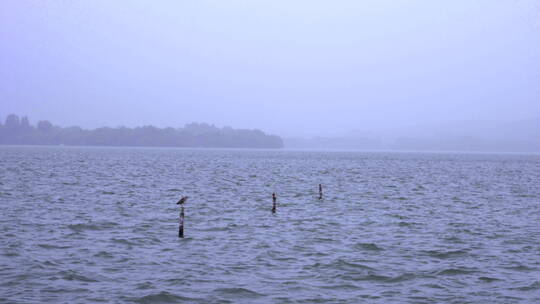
182 200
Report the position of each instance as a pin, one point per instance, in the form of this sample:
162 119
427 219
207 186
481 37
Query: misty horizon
412 128
520 136
307 68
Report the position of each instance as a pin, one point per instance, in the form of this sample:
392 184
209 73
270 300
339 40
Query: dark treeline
19 131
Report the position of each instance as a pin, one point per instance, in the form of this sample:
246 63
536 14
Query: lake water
101 225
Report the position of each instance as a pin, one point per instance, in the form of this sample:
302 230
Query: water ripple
100 225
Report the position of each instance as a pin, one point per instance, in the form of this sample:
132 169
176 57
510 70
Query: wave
103 254
52 246
521 268
456 271
163 297
238 292
340 266
73 276
446 254
488 279
92 226
368 246
533 286
123 241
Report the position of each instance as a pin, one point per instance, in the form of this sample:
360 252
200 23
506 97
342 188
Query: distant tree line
19 131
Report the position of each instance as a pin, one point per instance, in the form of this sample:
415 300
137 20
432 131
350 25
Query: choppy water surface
100 224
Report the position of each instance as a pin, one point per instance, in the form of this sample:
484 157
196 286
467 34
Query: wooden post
320 191
181 228
274 203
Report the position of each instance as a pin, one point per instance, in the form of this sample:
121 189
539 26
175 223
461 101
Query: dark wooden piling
320 191
181 227
274 203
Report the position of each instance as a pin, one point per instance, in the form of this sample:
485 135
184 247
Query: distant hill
19 131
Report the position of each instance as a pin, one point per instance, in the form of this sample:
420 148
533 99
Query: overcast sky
301 67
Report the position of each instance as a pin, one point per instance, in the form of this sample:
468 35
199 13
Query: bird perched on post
182 200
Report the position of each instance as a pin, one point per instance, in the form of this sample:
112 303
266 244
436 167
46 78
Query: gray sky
302 67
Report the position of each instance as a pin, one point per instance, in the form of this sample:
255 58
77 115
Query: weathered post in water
320 191
181 202
181 227
274 203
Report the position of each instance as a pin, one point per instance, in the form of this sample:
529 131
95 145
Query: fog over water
291 68
114 110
